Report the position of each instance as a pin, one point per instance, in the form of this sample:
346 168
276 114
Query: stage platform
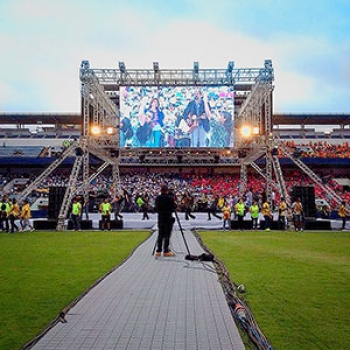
134 221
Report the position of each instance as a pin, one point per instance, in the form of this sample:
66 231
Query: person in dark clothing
212 210
164 206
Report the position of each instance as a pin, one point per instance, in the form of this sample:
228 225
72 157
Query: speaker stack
307 198
56 195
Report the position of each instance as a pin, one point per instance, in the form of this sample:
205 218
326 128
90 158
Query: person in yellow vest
4 208
343 212
282 217
240 212
25 216
76 214
266 212
105 210
254 213
13 215
226 215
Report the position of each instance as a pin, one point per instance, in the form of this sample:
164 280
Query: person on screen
197 115
126 131
149 132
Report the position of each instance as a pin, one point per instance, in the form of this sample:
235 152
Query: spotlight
79 151
110 130
114 153
246 131
256 130
242 153
274 151
95 130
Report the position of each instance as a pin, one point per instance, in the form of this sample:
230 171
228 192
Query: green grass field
297 284
43 272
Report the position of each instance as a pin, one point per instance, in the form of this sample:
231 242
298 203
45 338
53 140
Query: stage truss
100 99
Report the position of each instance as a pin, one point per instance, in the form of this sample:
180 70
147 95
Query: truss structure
100 108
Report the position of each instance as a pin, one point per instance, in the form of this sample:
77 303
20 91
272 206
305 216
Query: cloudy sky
44 41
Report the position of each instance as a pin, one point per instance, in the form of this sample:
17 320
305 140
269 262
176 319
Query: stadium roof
75 119
311 119
40 118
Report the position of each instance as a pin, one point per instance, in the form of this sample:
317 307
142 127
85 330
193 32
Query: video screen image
178 116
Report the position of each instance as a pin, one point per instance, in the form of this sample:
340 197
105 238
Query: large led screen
176 116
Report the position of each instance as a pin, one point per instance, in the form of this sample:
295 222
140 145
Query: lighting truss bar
177 77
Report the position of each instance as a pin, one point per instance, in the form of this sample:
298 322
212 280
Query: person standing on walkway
105 210
164 206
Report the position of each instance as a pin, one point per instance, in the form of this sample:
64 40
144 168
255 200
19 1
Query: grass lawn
43 272
297 283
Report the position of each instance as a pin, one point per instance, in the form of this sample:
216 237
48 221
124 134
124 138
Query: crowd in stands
321 149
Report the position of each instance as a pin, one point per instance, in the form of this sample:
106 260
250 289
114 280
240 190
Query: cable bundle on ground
239 309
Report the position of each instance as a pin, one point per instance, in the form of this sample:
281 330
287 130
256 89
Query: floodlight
95 130
246 131
256 130
110 130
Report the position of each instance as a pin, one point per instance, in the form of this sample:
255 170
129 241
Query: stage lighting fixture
122 67
156 67
196 67
242 153
95 130
142 158
274 151
268 64
79 151
256 130
114 153
246 131
179 158
110 130
230 66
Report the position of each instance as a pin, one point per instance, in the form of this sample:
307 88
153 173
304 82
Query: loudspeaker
115 224
45 224
56 195
84 224
307 198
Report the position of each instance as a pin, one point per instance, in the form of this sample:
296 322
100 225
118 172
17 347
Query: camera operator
164 206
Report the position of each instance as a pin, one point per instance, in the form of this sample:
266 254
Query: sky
43 43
